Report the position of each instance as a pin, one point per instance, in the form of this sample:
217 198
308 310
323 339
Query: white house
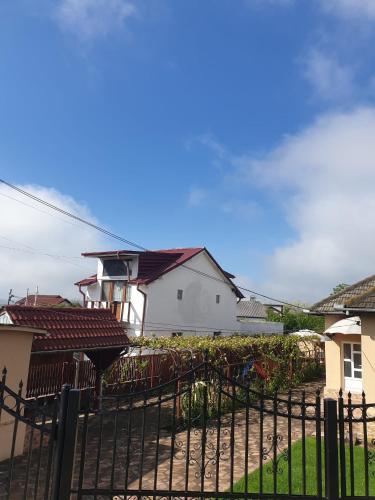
181 291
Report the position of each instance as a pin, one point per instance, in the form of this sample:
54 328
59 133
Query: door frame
352 384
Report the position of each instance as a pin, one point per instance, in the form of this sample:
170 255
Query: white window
217 299
179 294
352 361
128 293
118 290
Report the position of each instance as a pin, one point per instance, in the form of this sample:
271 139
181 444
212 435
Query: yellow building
350 354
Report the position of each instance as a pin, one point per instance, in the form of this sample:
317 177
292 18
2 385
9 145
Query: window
106 291
118 290
115 267
217 334
176 334
179 294
217 299
128 294
352 361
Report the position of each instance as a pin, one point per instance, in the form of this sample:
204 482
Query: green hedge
289 366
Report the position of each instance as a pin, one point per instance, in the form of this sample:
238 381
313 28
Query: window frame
117 277
346 359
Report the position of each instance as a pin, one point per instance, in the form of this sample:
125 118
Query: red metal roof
155 263
42 300
70 328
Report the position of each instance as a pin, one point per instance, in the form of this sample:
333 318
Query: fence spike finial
340 392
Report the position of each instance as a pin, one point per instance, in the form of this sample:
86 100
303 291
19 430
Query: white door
352 359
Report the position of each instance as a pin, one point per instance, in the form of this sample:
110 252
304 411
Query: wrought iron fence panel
202 434
357 446
27 444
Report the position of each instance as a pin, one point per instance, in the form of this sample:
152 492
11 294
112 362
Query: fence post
331 449
66 443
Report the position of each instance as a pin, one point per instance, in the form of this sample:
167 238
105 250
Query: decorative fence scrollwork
200 435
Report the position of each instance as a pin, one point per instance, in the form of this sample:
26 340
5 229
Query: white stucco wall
198 310
93 292
136 312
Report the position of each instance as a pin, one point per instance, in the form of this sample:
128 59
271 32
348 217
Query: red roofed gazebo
95 332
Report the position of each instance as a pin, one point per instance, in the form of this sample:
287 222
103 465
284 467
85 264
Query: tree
295 320
339 288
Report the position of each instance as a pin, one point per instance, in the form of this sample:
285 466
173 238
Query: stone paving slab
111 465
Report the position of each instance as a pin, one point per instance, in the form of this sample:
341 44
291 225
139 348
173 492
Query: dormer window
116 268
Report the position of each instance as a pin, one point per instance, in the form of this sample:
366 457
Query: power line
136 245
57 257
75 217
38 249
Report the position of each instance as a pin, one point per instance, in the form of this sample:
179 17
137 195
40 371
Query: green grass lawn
311 482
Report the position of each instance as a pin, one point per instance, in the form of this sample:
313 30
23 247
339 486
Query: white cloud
89 19
329 79
211 143
325 177
197 196
27 235
350 9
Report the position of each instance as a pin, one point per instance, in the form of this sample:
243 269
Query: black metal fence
201 435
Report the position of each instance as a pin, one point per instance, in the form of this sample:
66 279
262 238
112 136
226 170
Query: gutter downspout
83 295
144 309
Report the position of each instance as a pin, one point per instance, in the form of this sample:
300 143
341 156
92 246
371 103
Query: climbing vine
290 360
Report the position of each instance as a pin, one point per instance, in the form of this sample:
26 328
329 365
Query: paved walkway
187 474
134 463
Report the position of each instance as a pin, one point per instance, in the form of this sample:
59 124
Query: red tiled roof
155 263
70 328
42 300
87 281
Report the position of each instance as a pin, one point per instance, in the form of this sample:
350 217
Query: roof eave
82 349
360 309
26 329
112 253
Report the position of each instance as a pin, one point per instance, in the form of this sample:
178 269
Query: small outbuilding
69 330
350 324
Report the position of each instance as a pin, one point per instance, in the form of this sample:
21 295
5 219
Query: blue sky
217 123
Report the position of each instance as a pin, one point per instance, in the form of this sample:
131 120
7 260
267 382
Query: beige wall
334 365
368 355
333 357
15 348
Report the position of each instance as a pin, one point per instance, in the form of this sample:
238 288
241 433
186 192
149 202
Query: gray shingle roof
251 308
361 295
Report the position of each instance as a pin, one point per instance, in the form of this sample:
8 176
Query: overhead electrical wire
136 245
56 257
